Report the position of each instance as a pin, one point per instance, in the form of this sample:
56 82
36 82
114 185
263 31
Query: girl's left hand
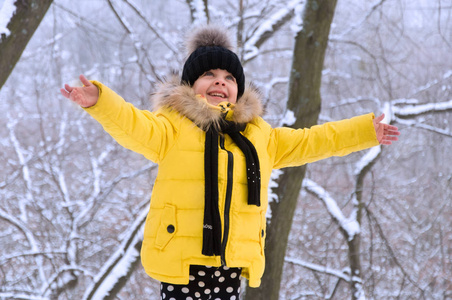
386 134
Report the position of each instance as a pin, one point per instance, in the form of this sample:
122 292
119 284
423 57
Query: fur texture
181 98
208 36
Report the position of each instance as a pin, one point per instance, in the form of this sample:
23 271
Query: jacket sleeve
141 131
295 147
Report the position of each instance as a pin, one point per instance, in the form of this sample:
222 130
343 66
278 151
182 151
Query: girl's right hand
84 96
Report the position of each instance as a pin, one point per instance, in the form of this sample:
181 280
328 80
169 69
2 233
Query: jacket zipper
227 202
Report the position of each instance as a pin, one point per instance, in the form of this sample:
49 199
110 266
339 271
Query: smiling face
217 86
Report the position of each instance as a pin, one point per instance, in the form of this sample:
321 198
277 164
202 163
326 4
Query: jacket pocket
167 228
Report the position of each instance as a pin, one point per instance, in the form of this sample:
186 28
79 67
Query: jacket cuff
366 135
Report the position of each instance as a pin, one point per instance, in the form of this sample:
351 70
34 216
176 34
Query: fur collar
181 98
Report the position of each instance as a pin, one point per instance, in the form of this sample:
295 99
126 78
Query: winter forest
376 224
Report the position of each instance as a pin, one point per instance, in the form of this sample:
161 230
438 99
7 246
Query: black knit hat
210 49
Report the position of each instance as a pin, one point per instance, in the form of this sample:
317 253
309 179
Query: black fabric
205 283
252 161
208 58
212 222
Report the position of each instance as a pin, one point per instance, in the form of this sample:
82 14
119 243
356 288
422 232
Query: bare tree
304 101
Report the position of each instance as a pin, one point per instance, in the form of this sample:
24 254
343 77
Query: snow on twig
349 226
8 257
251 46
367 159
119 263
403 109
321 269
21 296
152 28
411 109
138 45
21 153
62 276
364 18
199 12
432 83
356 100
445 132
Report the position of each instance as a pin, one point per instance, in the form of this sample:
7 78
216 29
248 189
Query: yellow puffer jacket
173 137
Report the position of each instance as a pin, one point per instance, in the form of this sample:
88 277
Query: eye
230 77
208 73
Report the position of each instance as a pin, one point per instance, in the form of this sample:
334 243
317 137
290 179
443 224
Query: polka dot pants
206 283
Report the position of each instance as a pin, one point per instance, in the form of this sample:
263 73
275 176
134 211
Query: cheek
233 92
200 87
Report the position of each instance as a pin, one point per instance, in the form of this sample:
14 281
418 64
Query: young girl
206 224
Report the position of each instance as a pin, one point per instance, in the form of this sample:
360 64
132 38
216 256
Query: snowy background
73 202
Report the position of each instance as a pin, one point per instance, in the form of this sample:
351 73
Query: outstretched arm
84 96
386 134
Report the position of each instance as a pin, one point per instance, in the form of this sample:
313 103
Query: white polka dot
221 279
189 298
163 296
229 290
185 290
233 275
217 273
201 284
208 267
170 288
238 290
216 290
233 297
201 273
172 299
207 292
225 268
191 278
197 295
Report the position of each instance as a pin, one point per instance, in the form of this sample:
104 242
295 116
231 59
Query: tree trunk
22 26
304 100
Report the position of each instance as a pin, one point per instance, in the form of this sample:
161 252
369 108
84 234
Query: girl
206 224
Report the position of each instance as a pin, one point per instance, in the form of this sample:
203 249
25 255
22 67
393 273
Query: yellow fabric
177 145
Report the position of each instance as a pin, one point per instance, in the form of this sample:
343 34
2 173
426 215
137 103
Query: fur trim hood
181 98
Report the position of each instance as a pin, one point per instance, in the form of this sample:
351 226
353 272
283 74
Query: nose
220 82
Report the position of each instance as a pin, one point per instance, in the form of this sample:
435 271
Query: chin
215 102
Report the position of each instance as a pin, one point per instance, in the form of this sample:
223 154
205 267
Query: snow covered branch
120 263
411 108
349 226
138 45
405 109
266 29
20 296
199 11
321 269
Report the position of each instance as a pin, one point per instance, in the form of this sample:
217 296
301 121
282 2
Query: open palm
84 96
386 134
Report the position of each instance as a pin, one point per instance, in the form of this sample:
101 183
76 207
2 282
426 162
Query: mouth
218 95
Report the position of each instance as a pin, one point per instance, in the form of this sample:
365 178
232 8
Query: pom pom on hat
210 48
208 36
